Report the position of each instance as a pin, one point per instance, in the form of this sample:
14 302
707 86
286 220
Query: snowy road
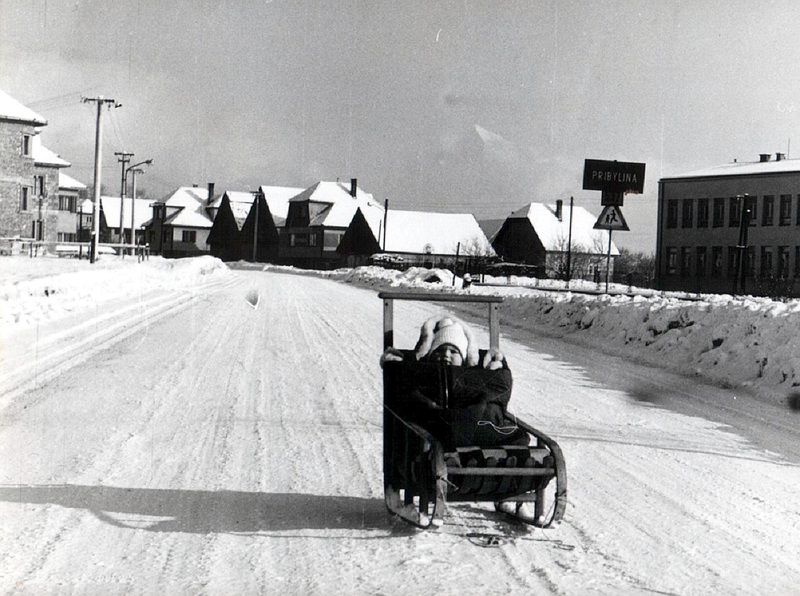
222 448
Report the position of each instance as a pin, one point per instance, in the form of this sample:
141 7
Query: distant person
477 415
466 281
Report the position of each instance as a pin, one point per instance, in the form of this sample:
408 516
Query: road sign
616 176
611 219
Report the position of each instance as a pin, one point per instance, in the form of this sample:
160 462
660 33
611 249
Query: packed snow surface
184 427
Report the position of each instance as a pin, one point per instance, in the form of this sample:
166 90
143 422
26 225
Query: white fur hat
437 331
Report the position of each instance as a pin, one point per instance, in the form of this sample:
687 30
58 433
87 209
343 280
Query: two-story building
733 228
29 175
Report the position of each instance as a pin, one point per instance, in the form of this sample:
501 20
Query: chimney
210 192
353 187
559 209
764 157
780 156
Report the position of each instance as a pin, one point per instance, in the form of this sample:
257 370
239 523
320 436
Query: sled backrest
492 303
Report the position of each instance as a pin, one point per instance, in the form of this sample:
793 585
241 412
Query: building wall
699 254
17 172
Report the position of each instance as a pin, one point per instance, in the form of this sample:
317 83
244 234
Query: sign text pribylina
614 176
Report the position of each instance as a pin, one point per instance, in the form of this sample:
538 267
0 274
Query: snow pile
731 341
39 289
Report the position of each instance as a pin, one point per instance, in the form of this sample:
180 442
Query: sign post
614 179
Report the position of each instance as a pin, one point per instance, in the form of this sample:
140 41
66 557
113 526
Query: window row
723 261
721 211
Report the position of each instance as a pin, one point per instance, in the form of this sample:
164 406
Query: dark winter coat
461 406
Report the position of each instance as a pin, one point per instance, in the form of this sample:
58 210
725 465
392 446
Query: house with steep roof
180 224
29 175
543 235
277 198
244 228
416 238
317 219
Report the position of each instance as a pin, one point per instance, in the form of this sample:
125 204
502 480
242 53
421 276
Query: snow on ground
268 478
728 340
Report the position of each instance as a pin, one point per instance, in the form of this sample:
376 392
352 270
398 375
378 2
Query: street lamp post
134 169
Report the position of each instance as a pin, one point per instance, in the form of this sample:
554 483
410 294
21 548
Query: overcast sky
457 106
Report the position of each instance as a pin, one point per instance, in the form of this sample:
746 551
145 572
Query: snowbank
731 341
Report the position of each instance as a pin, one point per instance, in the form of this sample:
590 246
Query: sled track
60 351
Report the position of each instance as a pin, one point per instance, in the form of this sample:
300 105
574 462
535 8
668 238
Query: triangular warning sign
611 219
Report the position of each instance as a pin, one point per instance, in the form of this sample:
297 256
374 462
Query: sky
454 106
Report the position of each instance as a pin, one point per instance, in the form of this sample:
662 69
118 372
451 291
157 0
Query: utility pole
569 242
98 149
744 224
134 169
124 158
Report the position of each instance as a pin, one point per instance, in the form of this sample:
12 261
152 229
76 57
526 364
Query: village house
542 235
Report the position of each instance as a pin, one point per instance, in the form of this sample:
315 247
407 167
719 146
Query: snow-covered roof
438 233
186 207
342 205
142 213
743 168
277 198
11 109
554 233
69 183
43 156
240 201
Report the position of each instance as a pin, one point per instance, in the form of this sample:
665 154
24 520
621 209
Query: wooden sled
421 474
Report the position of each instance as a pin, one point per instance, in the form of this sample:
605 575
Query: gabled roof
441 233
341 206
743 168
240 203
143 211
69 183
554 234
278 199
186 207
44 157
11 109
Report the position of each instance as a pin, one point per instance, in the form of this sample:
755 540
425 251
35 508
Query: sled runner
422 472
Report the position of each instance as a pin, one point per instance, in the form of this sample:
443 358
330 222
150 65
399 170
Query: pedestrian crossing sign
611 219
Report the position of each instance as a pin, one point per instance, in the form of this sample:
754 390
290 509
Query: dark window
786 210
701 261
672 213
751 204
188 236
39 189
67 203
733 261
24 198
686 261
716 261
734 212
702 213
26 145
719 212
768 214
766 262
751 261
797 261
783 262
672 260
687 215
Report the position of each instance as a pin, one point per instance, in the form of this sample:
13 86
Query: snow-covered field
235 446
